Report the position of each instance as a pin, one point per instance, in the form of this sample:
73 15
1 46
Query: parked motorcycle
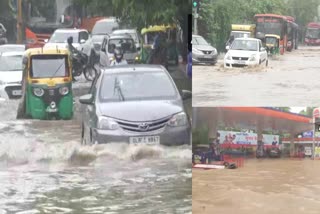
81 63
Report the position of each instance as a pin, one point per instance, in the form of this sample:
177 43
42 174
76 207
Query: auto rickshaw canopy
157 28
37 51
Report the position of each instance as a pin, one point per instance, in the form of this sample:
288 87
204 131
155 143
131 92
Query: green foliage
308 112
200 135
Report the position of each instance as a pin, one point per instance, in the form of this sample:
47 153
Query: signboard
309 134
308 151
247 138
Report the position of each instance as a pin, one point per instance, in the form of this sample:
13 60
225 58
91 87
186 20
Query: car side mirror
228 47
262 49
86 99
82 41
186 94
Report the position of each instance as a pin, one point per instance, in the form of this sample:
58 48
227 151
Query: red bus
313 34
272 24
42 18
292 33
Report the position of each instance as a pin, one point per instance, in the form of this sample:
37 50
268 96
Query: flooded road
44 169
289 79
262 186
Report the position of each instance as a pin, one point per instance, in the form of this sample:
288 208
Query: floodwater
261 186
44 169
289 79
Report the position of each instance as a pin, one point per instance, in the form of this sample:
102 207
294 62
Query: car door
104 60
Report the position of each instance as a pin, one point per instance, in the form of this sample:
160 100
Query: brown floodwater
261 186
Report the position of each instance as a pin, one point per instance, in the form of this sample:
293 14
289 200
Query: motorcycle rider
118 58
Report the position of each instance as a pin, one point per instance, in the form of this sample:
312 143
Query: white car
133 33
10 75
245 52
81 40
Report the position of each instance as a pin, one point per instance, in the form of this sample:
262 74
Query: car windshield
47 66
127 45
11 63
313 33
137 86
4 48
240 34
133 35
247 45
62 37
197 40
104 28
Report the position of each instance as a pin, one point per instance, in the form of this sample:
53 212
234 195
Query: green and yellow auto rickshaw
46 85
148 35
272 44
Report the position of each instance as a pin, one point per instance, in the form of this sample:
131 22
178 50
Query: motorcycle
81 64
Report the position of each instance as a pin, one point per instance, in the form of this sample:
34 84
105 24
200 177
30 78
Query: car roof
12 53
70 30
242 38
13 45
133 69
120 36
120 31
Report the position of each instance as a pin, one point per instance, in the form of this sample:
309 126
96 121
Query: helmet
70 40
118 54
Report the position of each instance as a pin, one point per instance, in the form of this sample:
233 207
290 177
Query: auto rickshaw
272 44
46 85
148 35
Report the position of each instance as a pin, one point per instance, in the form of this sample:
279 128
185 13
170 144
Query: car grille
240 58
140 126
205 59
207 52
10 89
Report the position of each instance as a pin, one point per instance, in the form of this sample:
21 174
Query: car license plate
50 110
241 62
145 140
17 92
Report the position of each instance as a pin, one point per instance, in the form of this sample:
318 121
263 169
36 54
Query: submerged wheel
90 73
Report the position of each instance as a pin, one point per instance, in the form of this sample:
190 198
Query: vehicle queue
117 94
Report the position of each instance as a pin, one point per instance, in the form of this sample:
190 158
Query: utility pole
19 23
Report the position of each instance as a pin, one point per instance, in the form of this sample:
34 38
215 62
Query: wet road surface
44 169
262 186
290 79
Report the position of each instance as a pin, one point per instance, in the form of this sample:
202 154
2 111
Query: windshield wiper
118 88
56 71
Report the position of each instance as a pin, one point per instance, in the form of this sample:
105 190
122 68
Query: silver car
136 104
202 51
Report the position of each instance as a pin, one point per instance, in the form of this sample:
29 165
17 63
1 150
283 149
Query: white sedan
10 75
245 52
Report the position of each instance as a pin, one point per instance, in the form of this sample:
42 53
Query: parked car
12 48
133 33
202 51
124 41
80 40
105 26
135 104
245 52
11 75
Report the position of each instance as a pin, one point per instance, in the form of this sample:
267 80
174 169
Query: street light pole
195 27
19 23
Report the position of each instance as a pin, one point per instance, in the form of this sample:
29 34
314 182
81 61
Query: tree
308 112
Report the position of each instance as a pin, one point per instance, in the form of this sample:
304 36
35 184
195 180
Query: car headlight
253 58
111 58
228 57
214 51
178 120
196 51
64 90
39 92
107 123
